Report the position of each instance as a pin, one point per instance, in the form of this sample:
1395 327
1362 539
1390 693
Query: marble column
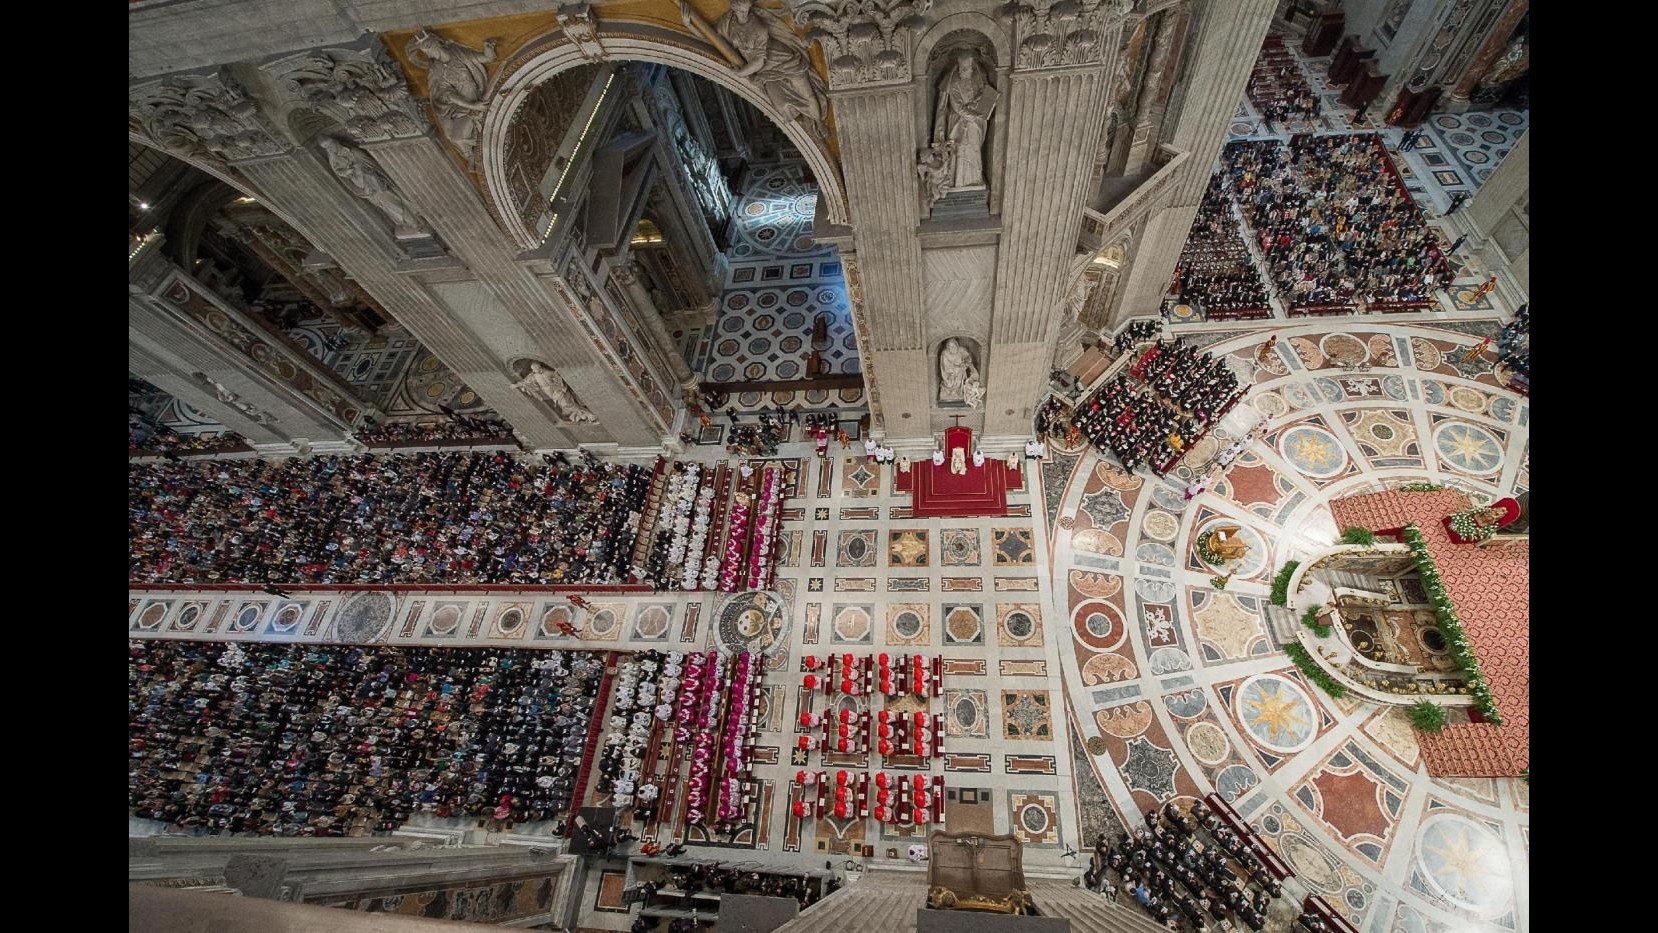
876 130
1155 88
1500 217
185 340
426 175
649 319
433 303
1223 42
1496 40
1052 136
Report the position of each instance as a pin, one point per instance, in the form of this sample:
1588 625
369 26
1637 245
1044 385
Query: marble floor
1177 688
779 283
1092 668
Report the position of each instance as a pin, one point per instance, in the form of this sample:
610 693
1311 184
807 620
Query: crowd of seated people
341 740
457 428
143 437
1333 223
1215 272
1278 88
756 440
1138 331
1153 411
1052 417
1182 879
444 518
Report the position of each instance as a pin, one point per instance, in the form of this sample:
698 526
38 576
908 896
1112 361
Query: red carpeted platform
938 493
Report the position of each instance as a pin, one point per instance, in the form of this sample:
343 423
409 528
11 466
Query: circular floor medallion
1465 863
365 617
510 621
1467 399
1208 743
1160 525
1468 447
446 620
907 624
246 618
1276 713
1344 349
1313 450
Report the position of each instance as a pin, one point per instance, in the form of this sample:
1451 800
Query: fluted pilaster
546 326
1224 41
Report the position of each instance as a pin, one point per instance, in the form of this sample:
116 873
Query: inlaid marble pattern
959 547
1156 685
1336 787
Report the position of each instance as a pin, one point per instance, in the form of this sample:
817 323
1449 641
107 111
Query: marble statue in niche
455 83
367 181
958 376
961 120
543 383
761 47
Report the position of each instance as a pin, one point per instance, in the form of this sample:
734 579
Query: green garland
1203 552
1427 716
1421 487
1314 673
1362 536
1281 584
1310 620
1218 583
1445 613
1469 530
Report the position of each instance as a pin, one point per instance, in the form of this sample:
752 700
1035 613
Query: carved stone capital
581 26
864 41
205 116
361 89
1059 33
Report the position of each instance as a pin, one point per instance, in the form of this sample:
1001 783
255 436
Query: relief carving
359 89
759 46
455 84
863 41
205 116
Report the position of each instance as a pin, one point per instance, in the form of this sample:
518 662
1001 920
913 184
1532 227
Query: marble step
1283 622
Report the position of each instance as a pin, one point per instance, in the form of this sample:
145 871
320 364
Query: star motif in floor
1280 714
1313 450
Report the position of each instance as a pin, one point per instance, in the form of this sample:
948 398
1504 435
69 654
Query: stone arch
625 42
226 175
956 26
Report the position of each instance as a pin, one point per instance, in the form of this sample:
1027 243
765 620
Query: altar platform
939 493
